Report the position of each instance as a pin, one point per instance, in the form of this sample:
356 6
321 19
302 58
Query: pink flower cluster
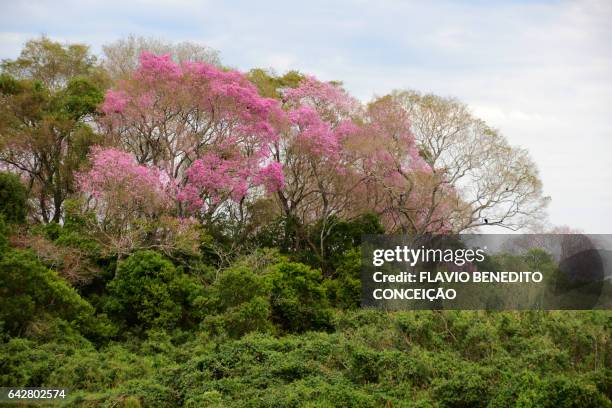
209 128
323 96
214 178
115 175
114 101
314 134
271 177
228 93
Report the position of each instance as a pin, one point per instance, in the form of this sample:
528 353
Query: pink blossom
114 101
322 95
208 128
158 66
215 178
314 134
271 177
116 177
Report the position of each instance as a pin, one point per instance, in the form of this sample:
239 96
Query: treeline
155 148
177 233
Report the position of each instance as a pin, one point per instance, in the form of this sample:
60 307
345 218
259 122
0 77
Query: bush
563 392
344 290
148 291
299 302
29 291
13 198
22 364
238 301
467 388
528 390
3 236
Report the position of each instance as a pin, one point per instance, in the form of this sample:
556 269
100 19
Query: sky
538 71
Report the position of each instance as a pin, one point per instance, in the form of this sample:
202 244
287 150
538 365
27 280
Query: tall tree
131 205
206 128
495 183
53 64
400 185
319 181
48 97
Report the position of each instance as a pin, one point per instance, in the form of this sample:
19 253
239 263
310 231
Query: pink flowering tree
319 178
401 186
341 160
131 204
206 128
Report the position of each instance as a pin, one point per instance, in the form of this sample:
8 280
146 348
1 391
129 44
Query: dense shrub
30 292
13 198
344 289
346 236
149 291
4 231
373 359
466 388
527 389
299 302
238 303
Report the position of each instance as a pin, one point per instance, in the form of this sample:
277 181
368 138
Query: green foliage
371 359
25 363
242 355
299 302
345 236
149 291
52 63
269 84
71 252
302 242
48 93
344 289
527 390
238 303
13 198
239 320
9 85
467 388
81 97
4 232
30 292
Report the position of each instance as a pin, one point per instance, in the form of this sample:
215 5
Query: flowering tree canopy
312 150
207 128
115 179
132 203
219 146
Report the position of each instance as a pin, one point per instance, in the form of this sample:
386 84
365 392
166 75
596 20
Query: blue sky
539 71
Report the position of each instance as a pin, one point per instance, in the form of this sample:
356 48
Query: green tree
150 291
47 97
52 63
238 302
269 84
344 289
30 292
298 298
